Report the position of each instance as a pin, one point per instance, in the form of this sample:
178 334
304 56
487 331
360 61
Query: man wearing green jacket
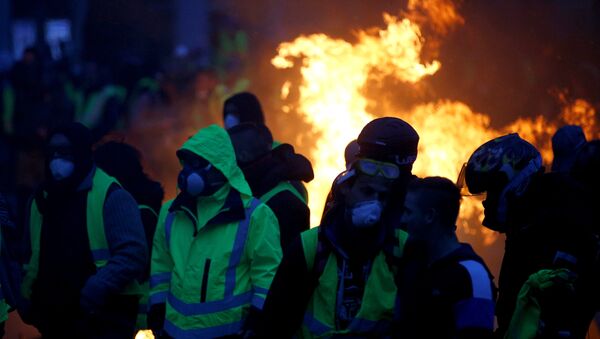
216 248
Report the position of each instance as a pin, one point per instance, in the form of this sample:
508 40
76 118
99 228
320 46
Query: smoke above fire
333 98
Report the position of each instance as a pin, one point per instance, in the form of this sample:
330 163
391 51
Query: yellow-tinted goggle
373 168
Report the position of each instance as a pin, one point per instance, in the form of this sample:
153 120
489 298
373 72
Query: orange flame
331 99
580 112
442 15
334 73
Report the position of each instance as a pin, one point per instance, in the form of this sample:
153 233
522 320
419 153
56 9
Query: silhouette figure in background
123 162
566 142
271 173
240 108
350 153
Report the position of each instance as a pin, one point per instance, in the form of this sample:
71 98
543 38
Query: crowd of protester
91 250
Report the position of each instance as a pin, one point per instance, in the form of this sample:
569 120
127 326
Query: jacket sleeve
474 307
127 246
161 263
264 252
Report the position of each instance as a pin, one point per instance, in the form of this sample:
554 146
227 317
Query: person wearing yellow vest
271 173
244 107
337 279
87 246
216 248
123 162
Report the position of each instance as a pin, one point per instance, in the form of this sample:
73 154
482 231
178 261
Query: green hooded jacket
211 262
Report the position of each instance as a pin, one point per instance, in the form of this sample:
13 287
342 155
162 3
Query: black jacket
451 298
282 164
554 216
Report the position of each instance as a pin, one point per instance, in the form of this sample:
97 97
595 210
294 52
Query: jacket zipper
204 287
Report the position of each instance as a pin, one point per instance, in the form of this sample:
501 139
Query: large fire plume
332 99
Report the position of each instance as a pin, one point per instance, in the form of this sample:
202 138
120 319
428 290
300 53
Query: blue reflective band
209 332
480 280
192 309
260 290
369 326
168 224
159 278
158 298
258 301
474 313
314 325
238 248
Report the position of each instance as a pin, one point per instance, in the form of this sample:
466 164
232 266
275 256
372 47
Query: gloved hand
156 318
93 297
89 306
90 309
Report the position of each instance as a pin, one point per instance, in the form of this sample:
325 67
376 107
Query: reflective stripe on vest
358 326
282 186
209 332
94 107
227 308
96 197
148 208
376 311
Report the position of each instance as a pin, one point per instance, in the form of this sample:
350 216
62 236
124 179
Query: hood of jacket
213 144
281 164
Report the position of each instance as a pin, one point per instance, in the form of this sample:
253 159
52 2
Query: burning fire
331 99
335 72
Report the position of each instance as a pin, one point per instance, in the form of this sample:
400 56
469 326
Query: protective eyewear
373 168
461 183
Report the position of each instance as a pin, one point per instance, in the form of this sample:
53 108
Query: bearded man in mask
216 248
87 246
337 279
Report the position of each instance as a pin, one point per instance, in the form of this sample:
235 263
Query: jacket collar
232 211
88 181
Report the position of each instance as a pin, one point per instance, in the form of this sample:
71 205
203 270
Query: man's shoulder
464 275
